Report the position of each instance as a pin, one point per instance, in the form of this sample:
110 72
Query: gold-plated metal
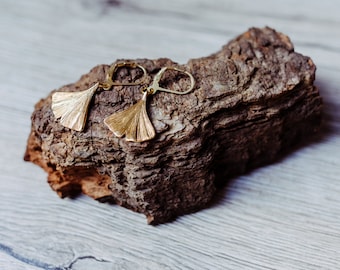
154 87
72 107
113 68
134 122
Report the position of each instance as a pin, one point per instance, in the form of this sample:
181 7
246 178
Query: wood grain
283 216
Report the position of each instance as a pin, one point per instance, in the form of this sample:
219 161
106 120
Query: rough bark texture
252 101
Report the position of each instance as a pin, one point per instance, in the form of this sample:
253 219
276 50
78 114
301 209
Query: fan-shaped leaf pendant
133 122
72 107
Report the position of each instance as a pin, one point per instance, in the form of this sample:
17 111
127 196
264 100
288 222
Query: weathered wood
281 216
252 101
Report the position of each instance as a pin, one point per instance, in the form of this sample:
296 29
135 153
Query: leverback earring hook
113 68
154 87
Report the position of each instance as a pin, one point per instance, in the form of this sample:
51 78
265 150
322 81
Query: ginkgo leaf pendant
133 122
72 107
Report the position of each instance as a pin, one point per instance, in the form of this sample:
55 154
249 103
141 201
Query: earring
72 107
134 122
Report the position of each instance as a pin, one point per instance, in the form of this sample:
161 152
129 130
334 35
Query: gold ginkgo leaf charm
133 122
72 107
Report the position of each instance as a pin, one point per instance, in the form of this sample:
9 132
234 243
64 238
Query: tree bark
253 100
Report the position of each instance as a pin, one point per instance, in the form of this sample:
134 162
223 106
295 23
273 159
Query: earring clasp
154 87
113 68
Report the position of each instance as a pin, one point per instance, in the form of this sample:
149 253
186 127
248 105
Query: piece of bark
252 101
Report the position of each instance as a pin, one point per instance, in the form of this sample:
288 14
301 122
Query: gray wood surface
282 216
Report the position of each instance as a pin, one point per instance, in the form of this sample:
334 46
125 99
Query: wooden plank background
282 216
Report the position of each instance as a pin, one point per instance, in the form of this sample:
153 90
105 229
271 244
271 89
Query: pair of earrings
133 122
